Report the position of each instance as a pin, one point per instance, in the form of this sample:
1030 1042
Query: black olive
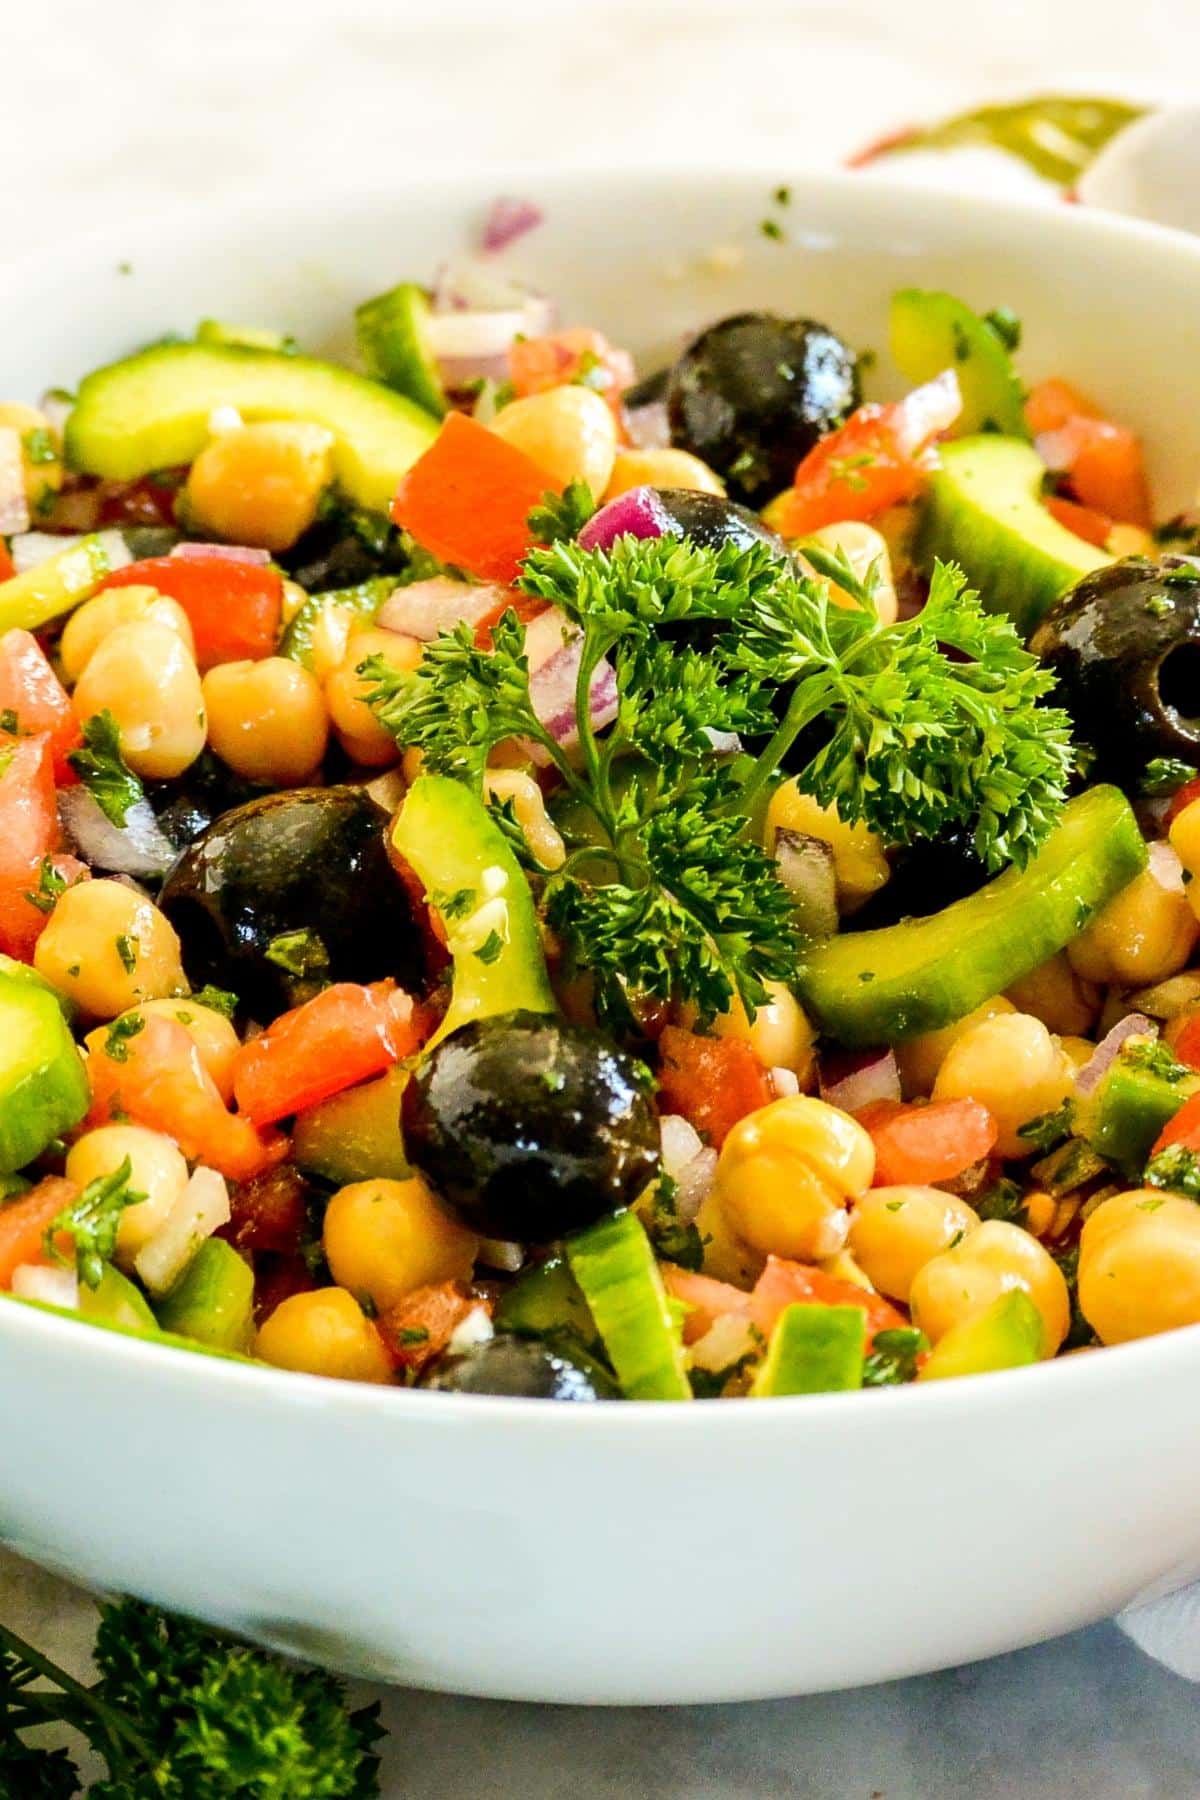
344 548
1125 646
523 1369
925 877
312 860
530 1128
710 520
754 392
187 806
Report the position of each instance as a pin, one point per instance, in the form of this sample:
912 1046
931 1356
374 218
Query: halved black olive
312 861
521 1368
530 1128
1125 646
754 392
187 806
713 521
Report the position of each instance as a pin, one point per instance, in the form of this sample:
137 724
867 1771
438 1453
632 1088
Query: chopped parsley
562 516
453 905
771 228
216 999
1004 322
103 770
116 1042
39 447
9 721
1155 1058
674 1239
1164 775
92 1220
301 954
1049 1128
491 948
127 950
894 1356
1003 1200
50 885
1176 1168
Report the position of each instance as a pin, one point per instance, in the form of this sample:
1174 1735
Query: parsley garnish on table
916 727
179 1712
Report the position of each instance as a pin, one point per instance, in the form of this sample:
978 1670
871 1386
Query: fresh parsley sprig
92 1221
103 770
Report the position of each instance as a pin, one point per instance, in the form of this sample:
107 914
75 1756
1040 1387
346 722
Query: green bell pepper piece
43 1083
813 1350
393 341
1005 1335
213 1300
1123 1116
546 1301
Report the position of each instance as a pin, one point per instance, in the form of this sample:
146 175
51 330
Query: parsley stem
84 1702
805 705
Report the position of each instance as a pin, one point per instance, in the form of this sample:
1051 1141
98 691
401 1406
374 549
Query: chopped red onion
723 743
694 1183
425 608
552 694
472 344
1105 1053
928 411
242 553
806 869
50 1285
29 548
680 1143
1057 449
784 1081
509 219
14 507
1165 866
871 1076
648 426
639 513
138 847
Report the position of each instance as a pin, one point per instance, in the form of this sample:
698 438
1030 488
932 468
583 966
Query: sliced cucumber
813 1350
43 1083
361 603
354 1135
1005 1335
984 512
62 582
1128 1109
546 1301
877 987
393 341
152 411
213 1300
932 331
256 337
116 1301
615 1267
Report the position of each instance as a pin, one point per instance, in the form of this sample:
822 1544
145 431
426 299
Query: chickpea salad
524 876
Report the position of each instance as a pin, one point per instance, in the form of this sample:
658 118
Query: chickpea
1139 1266
294 597
1055 994
324 1332
1011 1065
91 624
107 948
385 1238
1144 934
895 1231
862 547
859 864
1080 1050
781 1034
569 432
359 732
212 1033
267 719
1129 540
260 484
157 1169
786 1172
661 468
529 809
1184 837
996 1256
727 1257
145 675
920 1058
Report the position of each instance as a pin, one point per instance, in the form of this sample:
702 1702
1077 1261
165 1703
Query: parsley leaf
1155 1058
50 885
893 1356
216 999
93 1220
1164 775
1176 1168
559 516
300 954
116 1042
103 770
1049 1128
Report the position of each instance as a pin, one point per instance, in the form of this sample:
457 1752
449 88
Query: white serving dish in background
619 1553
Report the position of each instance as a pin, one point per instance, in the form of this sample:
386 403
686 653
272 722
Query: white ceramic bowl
620 1553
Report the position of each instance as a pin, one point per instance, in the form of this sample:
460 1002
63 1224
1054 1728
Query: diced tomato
576 354
468 499
878 458
1093 527
923 1144
342 1036
142 502
1182 1036
28 834
269 1212
1102 461
234 607
783 1284
7 568
419 1327
276 1279
32 692
712 1081
1182 798
161 1082
23 1224
1183 1129
706 1299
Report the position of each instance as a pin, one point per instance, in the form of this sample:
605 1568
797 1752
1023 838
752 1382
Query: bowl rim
869 198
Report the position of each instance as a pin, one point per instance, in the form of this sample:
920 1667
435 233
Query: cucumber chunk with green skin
546 1301
932 331
1005 1335
361 602
152 411
43 1083
256 337
116 1301
878 987
213 1300
475 884
983 511
617 1273
1123 1116
813 1350
354 1135
393 342
62 582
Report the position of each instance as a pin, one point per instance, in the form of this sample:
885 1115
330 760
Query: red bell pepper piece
32 693
468 500
712 1081
341 1037
234 608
